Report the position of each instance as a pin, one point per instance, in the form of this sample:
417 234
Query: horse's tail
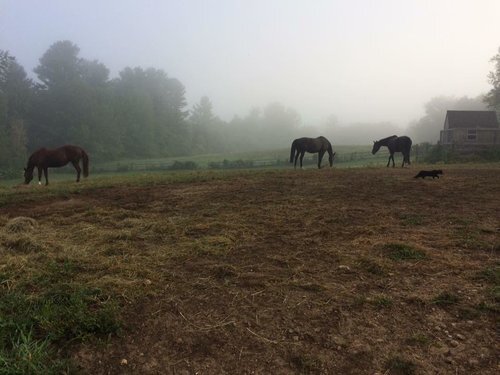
330 149
330 153
292 151
85 159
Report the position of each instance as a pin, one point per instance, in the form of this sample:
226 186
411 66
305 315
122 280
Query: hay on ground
21 224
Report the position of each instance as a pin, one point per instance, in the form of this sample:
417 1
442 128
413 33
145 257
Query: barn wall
486 136
460 136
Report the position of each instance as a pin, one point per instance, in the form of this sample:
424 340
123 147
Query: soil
298 272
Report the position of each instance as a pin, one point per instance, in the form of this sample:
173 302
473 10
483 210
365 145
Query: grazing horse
395 144
44 159
318 145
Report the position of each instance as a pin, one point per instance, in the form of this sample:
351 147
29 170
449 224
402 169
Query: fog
353 70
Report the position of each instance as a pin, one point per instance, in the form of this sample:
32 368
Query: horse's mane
388 138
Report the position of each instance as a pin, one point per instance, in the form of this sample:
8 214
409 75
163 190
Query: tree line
140 114
143 113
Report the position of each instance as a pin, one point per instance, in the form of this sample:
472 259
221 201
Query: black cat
432 174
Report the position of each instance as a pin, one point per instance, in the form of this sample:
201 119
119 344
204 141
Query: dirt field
352 271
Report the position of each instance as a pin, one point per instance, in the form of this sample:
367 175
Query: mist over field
165 78
177 233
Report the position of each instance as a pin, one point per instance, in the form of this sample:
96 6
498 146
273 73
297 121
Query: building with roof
470 128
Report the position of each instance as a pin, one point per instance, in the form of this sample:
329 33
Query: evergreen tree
150 111
15 100
74 104
201 119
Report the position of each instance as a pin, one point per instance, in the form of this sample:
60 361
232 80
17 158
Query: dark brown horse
318 145
44 159
395 144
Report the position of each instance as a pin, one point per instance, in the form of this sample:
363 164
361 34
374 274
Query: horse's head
28 175
376 147
330 159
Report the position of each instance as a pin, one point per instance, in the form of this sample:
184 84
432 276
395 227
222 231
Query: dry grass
330 271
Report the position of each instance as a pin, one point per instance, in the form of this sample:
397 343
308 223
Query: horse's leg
302 157
296 159
320 157
46 173
392 156
78 170
39 175
389 161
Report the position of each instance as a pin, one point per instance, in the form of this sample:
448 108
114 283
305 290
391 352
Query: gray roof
471 119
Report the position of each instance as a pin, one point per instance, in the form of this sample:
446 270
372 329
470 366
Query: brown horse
44 159
318 145
395 144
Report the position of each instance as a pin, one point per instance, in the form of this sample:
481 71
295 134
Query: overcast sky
359 60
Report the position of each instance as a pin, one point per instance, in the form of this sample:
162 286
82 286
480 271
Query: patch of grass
467 313
359 301
21 244
488 307
46 311
416 301
382 301
445 299
70 313
494 293
30 356
400 366
418 339
224 272
399 252
490 275
371 266
309 287
411 219
65 312
53 273
470 238
212 245
306 364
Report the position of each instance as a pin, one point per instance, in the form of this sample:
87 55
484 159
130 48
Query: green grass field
346 157
278 154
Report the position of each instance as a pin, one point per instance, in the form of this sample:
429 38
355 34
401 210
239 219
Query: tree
74 104
202 113
150 110
15 100
202 120
279 125
59 64
243 133
493 96
15 85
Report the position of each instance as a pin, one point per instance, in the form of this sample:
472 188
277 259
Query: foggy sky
360 60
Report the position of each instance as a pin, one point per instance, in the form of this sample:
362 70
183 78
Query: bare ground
289 271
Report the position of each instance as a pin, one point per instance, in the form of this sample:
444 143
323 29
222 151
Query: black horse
43 159
395 144
318 145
